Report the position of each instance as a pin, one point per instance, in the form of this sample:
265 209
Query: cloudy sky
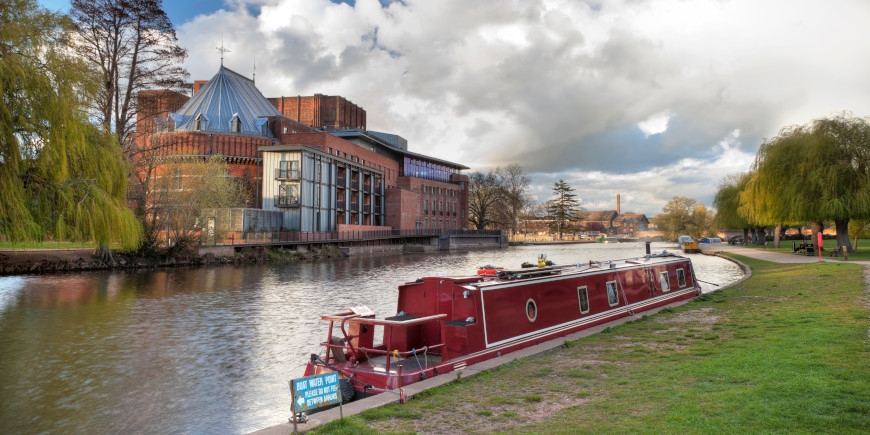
648 98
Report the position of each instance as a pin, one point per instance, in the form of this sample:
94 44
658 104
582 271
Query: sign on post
315 391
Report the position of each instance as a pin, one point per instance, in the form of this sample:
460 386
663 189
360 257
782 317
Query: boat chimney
617 204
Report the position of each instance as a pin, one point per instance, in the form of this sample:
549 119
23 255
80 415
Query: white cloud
623 89
655 124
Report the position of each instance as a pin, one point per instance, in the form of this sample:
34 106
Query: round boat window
531 310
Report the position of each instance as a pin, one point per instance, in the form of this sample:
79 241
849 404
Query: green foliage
727 202
61 177
811 173
184 188
683 215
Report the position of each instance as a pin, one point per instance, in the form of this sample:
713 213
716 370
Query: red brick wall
322 111
413 192
153 104
198 84
402 206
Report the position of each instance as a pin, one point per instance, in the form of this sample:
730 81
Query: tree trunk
816 228
776 235
762 236
842 227
746 236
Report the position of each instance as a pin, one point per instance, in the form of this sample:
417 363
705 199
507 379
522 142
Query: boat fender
346 389
471 320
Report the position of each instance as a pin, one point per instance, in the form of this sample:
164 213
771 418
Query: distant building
310 158
596 220
631 223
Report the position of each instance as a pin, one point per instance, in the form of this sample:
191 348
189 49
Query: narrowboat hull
447 323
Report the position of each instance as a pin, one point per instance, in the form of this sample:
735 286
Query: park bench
837 251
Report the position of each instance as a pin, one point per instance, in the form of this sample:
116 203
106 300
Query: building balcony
287 201
339 206
354 206
367 187
341 181
287 174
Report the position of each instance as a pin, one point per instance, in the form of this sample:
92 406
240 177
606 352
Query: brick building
308 157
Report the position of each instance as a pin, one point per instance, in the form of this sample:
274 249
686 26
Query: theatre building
310 158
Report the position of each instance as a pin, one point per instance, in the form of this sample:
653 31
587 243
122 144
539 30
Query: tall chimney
617 204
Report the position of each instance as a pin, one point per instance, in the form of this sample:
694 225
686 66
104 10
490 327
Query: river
207 350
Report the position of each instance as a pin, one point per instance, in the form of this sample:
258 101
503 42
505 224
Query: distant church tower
617 204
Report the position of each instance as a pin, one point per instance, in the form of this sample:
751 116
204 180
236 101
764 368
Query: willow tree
727 203
817 172
61 177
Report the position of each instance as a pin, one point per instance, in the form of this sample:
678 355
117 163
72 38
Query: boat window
612 296
531 310
663 278
584 299
681 278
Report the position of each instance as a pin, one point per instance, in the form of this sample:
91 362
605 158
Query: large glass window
288 194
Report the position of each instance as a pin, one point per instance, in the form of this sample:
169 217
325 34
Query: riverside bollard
647 247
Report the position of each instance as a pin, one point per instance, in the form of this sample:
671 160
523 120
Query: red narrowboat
447 323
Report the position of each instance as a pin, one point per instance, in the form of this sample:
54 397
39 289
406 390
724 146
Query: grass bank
786 351
862 251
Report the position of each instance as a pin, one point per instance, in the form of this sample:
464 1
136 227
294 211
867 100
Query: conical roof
227 96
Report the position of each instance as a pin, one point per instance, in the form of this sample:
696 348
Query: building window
198 124
612 295
236 124
583 295
288 169
681 278
288 195
663 279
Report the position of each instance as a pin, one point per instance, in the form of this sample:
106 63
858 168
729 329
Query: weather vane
222 49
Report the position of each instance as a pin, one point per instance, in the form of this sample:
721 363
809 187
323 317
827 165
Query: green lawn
786 351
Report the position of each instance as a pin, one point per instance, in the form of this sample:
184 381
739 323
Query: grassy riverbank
862 252
786 351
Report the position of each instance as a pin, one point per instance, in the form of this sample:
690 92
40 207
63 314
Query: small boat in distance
447 323
688 244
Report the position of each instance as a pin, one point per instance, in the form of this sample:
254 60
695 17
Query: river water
207 350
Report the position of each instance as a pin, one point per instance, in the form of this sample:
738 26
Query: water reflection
203 350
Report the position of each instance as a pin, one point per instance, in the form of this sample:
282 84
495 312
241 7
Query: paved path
763 254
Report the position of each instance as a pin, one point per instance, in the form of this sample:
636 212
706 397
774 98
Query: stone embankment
38 261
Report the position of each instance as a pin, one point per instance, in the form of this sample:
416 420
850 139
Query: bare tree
484 195
180 188
133 47
514 183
